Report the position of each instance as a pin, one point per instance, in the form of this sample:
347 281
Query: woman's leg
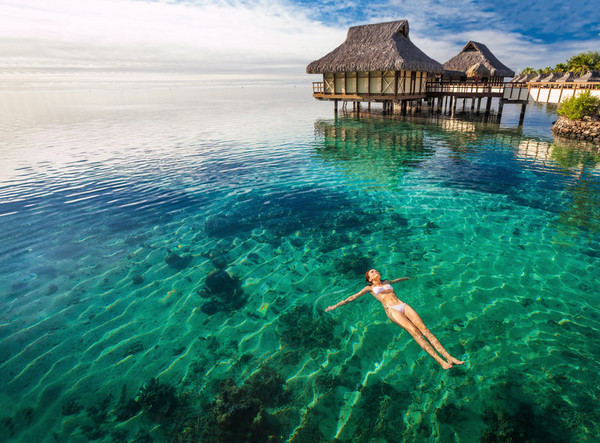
402 321
412 315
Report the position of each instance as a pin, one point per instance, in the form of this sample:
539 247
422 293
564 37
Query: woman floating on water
403 315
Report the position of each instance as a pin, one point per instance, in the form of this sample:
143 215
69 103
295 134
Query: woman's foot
445 365
454 361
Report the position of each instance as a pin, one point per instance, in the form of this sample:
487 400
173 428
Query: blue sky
273 37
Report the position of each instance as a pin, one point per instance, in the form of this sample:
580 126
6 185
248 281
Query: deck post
500 107
335 106
369 106
522 115
478 104
454 102
463 104
488 105
472 104
358 107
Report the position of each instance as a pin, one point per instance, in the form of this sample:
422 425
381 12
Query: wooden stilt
488 105
500 107
522 115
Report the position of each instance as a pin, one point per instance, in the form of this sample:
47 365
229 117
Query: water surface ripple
195 237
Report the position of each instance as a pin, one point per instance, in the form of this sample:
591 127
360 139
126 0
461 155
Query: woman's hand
330 308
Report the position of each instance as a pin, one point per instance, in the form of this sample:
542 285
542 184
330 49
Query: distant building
376 63
590 76
567 78
552 77
476 61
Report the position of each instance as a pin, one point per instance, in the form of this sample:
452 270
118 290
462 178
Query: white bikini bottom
399 308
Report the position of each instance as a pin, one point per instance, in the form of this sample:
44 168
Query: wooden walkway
555 92
441 96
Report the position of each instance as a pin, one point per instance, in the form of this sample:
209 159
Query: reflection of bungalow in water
534 151
376 63
370 147
476 61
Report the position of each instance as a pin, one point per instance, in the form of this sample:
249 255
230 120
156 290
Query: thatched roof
536 78
568 77
552 77
518 78
472 54
529 77
590 76
478 69
378 47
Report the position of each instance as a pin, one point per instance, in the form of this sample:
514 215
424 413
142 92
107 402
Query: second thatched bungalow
476 62
377 62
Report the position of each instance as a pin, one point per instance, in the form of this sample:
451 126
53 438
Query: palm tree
561 67
584 61
528 71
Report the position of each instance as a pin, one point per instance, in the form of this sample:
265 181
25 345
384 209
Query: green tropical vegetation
580 63
579 106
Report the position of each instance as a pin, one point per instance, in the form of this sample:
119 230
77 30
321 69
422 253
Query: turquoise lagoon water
166 255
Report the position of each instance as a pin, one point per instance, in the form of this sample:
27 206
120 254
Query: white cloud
209 36
130 34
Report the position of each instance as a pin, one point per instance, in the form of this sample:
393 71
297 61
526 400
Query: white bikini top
379 289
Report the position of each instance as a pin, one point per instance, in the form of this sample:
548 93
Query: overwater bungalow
522 78
536 78
552 77
590 76
567 78
475 60
378 63
529 77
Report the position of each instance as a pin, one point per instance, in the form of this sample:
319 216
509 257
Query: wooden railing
465 87
486 88
564 85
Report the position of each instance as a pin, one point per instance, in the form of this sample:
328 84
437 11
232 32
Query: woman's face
373 274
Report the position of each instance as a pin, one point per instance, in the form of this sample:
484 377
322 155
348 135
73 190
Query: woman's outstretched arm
353 297
396 280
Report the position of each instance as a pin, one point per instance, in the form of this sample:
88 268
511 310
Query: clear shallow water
196 236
